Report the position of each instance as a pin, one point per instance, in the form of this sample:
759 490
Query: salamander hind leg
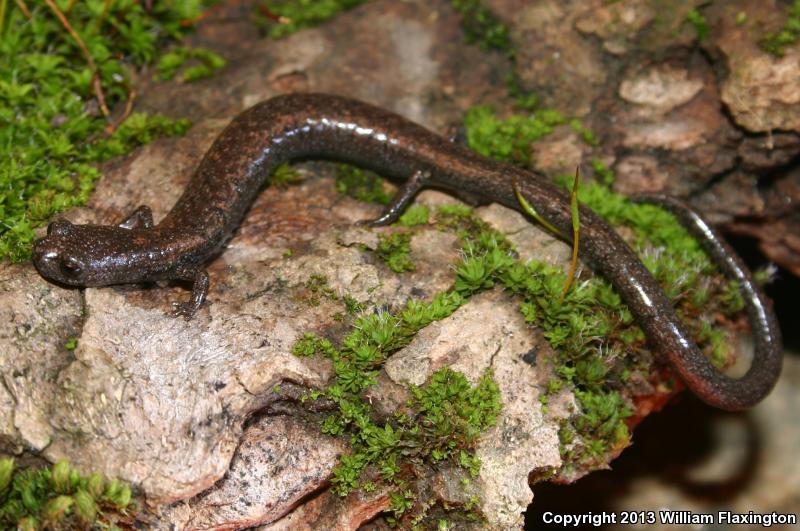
400 201
199 279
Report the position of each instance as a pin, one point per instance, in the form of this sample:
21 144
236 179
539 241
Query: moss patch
361 184
61 498
52 124
440 423
777 42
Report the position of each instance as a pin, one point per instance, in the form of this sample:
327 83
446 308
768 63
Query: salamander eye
70 268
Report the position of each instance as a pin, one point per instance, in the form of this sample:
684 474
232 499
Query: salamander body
301 126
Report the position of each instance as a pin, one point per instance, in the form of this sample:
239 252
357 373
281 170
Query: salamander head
90 255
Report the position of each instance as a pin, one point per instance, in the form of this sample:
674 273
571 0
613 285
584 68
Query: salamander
302 126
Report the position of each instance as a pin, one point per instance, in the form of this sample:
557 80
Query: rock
660 89
279 461
554 59
617 23
760 90
485 335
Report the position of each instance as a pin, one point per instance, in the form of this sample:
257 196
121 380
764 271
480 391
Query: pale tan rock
279 461
617 23
660 88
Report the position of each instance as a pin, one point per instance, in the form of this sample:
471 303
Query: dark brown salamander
297 126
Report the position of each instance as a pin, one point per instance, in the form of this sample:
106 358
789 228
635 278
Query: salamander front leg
199 279
141 218
401 200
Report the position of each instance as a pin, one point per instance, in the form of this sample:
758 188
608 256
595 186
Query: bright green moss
206 62
285 175
284 17
51 128
395 250
508 140
60 498
441 421
414 215
777 42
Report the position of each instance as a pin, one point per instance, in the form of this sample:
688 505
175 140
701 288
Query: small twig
24 8
128 109
98 89
280 19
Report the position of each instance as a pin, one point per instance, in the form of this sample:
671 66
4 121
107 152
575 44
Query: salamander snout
52 258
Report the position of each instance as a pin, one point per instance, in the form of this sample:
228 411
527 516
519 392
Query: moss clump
395 250
482 27
414 215
60 498
361 184
284 17
315 289
777 42
508 140
696 18
53 100
205 63
441 422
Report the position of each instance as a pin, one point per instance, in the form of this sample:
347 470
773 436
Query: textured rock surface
760 90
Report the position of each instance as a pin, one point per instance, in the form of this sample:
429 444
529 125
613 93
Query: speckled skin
298 126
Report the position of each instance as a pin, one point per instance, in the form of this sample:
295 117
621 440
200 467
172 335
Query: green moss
482 27
317 288
696 18
71 343
414 215
285 175
603 174
361 184
60 498
395 250
203 63
508 140
777 42
441 422
51 130
586 134
284 17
